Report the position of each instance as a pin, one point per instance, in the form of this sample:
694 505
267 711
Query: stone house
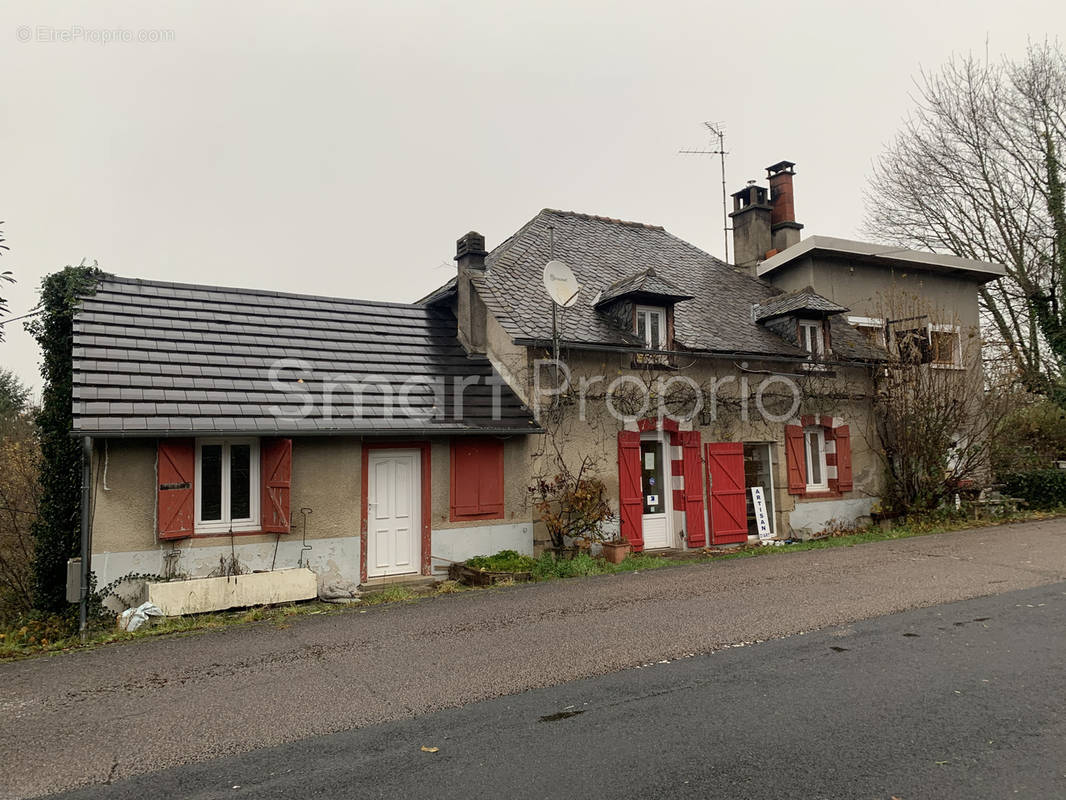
375 440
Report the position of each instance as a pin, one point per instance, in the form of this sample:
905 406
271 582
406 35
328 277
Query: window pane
814 460
642 325
656 334
211 482
651 471
240 477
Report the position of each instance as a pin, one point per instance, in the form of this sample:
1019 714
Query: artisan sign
762 519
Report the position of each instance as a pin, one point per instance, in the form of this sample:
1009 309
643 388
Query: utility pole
718 129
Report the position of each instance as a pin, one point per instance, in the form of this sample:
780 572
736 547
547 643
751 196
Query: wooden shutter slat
477 486
729 509
276 479
630 500
176 472
794 460
844 472
692 471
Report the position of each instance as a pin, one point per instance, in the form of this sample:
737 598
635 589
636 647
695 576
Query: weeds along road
100 715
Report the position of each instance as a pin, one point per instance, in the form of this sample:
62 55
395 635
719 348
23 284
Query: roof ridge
599 218
111 278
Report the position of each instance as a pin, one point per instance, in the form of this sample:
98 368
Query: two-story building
375 440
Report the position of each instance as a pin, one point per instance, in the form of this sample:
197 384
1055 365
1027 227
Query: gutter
404 433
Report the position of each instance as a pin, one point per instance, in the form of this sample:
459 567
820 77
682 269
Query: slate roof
603 251
644 284
156 359
802 301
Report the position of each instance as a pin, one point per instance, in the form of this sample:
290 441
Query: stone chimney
784 230
470 309
751 217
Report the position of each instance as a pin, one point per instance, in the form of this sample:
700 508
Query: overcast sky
341 148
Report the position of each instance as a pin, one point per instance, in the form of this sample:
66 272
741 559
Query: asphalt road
963 700
118 711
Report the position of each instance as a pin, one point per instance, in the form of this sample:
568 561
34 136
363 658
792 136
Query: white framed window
227 485
651 326
814 459
872 328
812 337
945 346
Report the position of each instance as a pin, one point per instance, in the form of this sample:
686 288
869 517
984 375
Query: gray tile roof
603 251
644 284
802 301
155 358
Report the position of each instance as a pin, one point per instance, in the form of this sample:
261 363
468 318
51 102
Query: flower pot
615 552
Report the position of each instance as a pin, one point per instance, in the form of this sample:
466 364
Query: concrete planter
197 595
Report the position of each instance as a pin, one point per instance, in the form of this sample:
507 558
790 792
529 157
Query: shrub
1036 440
503 561
1040 489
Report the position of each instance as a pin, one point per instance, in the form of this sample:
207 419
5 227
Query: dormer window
812 337
651 326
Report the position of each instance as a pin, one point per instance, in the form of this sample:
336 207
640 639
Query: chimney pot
470 250
783 226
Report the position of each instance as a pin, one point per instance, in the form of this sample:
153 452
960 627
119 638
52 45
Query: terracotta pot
615 552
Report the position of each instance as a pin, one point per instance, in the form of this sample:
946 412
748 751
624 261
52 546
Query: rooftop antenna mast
718 129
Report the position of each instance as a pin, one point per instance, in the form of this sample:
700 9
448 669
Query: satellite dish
560 284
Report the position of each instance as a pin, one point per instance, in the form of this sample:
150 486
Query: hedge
1041 489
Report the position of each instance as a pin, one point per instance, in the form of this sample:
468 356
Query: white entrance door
394 512
654 484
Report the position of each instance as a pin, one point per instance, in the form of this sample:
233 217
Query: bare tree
967 175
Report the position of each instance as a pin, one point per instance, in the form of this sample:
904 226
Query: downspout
86 544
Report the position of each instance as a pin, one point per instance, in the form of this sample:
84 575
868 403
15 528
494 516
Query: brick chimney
752 215
784 230
470 309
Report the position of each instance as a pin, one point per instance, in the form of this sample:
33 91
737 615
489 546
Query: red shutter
693 475
276 458
630 498
729 507
476 479
843 439
794 461
176 514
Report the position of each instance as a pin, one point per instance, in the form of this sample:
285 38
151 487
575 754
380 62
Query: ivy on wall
56 532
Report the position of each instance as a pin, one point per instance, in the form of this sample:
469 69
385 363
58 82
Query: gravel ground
94 716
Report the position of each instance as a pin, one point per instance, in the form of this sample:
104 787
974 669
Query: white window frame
956 362
818 432
874 323
225 525
812 337
649 312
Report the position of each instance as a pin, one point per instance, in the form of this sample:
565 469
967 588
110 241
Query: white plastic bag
133 618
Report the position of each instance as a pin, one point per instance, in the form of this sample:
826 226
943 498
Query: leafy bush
1040 489
1036 440
56 528
503 561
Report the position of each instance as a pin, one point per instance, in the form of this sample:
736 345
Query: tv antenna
717 129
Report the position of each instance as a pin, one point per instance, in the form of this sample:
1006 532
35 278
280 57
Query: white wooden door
394 513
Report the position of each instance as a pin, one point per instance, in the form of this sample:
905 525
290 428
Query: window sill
956 367
214 534
489 517
821 494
